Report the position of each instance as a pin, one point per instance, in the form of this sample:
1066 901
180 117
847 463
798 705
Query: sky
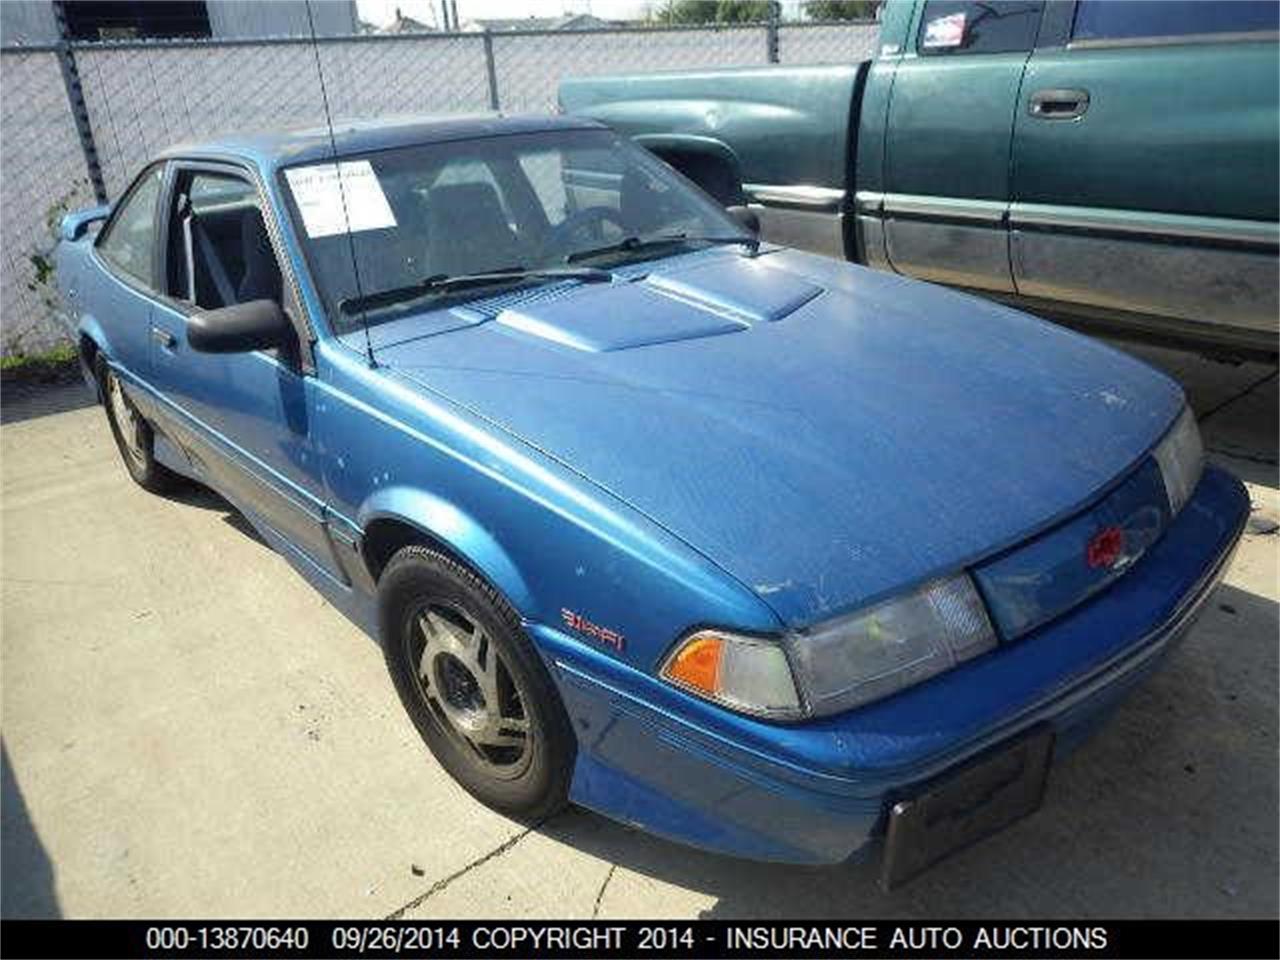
382 12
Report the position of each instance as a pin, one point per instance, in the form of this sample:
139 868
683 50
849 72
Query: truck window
958 27
1147 19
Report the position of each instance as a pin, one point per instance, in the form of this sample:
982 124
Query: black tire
137 447
427 605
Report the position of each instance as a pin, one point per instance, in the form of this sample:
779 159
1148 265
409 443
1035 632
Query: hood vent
723 295
741 287
615 316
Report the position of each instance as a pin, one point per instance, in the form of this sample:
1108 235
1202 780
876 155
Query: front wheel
473 684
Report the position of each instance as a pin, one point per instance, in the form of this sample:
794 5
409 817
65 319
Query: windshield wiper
628 244
444 283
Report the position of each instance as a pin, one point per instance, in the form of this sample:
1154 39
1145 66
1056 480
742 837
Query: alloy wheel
462 679
126 418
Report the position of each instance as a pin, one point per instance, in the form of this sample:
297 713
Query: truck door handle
164 338
1058 104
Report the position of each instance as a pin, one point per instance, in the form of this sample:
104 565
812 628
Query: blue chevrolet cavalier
757 550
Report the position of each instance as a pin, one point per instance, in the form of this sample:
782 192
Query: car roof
270 150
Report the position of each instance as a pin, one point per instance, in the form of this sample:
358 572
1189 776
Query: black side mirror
745 216
239 328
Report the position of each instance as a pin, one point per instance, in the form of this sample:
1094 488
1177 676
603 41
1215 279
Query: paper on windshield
320 198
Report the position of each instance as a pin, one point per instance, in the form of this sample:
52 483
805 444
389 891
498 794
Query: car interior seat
639 204
469 230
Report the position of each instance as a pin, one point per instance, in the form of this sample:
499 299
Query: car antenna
342 190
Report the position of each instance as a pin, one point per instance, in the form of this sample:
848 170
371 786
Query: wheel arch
397 517
90 343
697 157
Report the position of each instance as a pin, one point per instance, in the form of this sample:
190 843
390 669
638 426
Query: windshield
529 202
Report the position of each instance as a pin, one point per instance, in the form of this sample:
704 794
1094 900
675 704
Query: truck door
1145 162
948 140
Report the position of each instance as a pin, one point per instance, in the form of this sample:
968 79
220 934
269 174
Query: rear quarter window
129 242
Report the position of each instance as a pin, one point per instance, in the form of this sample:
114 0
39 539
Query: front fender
452 527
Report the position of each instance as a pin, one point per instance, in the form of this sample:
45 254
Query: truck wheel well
711 173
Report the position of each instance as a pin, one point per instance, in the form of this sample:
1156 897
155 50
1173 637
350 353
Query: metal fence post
771 33
489 69
75 97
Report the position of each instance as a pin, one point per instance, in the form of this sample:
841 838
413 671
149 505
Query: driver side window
219 250
968 27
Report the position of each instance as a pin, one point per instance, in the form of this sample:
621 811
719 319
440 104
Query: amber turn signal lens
698 664
748 674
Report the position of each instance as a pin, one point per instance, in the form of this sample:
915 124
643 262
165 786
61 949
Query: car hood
826 434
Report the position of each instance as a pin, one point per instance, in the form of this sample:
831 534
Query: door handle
164 338
1058 104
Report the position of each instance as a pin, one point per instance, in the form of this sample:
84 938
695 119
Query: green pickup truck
1106 163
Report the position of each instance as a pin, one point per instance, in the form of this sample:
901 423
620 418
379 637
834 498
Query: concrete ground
189 730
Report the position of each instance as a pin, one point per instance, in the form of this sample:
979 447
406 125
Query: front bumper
669 763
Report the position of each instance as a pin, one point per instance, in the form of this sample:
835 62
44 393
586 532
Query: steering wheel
582 226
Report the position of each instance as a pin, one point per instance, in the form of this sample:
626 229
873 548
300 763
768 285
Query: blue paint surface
859 440
756 443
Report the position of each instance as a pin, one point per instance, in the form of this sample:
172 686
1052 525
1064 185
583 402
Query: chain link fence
529 66
141 96
43 175
827 43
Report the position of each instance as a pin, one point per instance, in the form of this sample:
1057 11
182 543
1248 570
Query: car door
947 140
118 296
1145 162
243 419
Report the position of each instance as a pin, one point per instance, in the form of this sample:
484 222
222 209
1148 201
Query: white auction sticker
322 199
945 31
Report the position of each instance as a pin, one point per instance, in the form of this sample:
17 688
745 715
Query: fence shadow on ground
21 400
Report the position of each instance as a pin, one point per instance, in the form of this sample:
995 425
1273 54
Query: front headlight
839 665
895 644
1181 458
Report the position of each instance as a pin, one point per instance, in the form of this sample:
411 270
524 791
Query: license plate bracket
966 804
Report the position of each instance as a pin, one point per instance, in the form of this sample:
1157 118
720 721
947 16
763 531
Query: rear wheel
133 435
473 684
